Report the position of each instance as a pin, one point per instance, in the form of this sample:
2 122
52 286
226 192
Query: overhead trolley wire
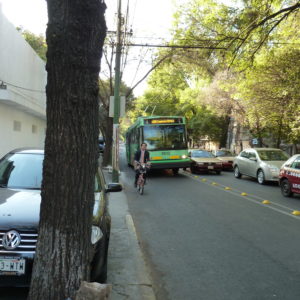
176 46
124 40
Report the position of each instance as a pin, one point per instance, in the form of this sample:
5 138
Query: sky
150 21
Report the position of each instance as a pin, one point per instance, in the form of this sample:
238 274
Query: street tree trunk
75 36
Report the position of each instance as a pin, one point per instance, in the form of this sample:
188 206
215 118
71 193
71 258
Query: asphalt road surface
212 237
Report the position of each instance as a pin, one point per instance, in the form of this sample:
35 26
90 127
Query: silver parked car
260 163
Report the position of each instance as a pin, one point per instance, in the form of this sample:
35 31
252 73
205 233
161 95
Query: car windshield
201 153
224 153
272 155
165 137
21 171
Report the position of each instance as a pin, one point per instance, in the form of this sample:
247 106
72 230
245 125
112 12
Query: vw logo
11 240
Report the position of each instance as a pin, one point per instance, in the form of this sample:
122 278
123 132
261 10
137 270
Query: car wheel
218 172
286 188
103 275
261 177
193 170
99 265
237 173
175 171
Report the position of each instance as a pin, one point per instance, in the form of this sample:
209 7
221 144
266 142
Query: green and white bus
166 140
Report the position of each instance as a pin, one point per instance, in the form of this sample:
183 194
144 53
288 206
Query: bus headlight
183 156
96 234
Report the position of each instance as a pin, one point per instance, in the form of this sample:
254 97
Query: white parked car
261 163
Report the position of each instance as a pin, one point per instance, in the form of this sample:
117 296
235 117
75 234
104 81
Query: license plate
12 265
210 167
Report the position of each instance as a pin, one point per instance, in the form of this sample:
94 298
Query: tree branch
145 76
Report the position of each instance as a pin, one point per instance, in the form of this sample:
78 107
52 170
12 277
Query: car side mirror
114 187
253 158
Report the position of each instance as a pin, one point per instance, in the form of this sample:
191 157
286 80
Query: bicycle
142 169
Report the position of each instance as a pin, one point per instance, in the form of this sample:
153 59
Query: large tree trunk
75 36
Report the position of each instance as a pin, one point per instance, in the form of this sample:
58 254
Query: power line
176 46
22 88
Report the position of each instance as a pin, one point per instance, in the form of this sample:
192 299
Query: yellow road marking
266 202
296 213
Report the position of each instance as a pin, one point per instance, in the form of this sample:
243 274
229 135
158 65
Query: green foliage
270 93
244 64
37 42
241 30
261 39
169 93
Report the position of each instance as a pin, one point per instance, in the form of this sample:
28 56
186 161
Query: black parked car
20 183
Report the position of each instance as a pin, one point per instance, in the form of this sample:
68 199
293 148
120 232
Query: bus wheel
175 171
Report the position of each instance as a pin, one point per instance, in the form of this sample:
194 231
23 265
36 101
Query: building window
34 129
17 126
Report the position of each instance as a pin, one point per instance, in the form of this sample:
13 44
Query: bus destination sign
162 121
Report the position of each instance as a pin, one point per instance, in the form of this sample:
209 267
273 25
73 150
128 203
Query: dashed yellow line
266 202
295 213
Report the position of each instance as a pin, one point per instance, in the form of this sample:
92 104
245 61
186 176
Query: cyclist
140 156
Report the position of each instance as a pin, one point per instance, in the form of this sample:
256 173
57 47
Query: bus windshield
165 137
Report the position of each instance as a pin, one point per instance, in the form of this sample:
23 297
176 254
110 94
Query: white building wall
22 91
19 129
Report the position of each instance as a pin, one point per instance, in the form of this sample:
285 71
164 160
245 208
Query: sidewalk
126 267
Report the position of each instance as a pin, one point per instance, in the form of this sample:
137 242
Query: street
203 239
212 237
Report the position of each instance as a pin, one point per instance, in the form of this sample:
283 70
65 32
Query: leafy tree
37 42
75 36
170 94
243 31
271 97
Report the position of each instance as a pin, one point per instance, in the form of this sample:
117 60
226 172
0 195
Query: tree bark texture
75 36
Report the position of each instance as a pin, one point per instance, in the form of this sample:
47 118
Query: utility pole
115 152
